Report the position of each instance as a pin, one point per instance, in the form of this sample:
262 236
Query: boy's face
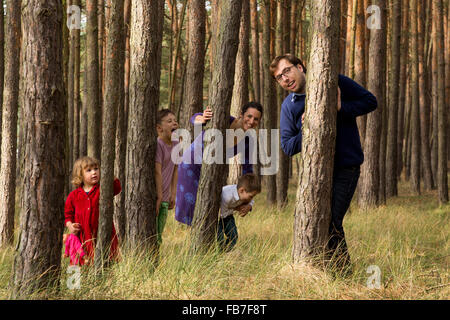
91 175
168 125
245 196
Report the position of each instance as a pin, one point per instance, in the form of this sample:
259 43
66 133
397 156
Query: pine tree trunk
240 88
255 50
121 131
76 94
402 90
370 171
312 217
9 123
442 181
348 35
193 90
282 177
70 106
270 110
213 176
434 94
92 68
394 83
343 37
415 119
360 61
424 102
38 256
113 101
145 69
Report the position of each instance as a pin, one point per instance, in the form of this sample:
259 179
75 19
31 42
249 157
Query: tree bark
424 102
193 91
368 191
360 61
404 44
70 107
415 119
270 110
282 176
145 69
442 181
113 101
121 131
241 77
76 88
255 50
9 123
312 216
394 81
212 176
93 86
38 255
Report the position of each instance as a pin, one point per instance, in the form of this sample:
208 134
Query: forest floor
407 240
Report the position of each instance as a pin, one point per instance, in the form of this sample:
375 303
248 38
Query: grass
408 239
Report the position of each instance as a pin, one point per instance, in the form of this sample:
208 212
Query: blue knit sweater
355 101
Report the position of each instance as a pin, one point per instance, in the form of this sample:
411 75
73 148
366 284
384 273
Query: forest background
397 227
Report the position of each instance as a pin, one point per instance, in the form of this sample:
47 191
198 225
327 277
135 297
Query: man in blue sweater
353 101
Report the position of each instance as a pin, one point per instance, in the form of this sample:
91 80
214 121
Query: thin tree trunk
270 110
442 181
348 35
394 83
351 57
282 176
70 107
402 80
415 119
368 196
435 127
360 61
9 124
213 176
101 46
38 256
255 50
312 217
121 131
424 102
145 69
93 86
193 91
113 101
343 37
76 94
240 88
176 55
407 153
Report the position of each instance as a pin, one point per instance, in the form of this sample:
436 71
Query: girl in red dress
81 210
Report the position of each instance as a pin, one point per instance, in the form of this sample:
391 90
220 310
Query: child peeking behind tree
235 198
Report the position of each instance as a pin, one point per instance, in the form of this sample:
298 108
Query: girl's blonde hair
80 165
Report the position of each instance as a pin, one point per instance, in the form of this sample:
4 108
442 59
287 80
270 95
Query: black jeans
344 186
227 228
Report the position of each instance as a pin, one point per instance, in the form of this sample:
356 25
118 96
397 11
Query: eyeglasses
285 72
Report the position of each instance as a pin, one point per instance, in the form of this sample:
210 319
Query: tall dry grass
408 239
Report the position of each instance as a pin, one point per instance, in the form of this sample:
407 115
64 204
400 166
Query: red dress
83 208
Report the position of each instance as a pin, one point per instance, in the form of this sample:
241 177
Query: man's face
290 77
